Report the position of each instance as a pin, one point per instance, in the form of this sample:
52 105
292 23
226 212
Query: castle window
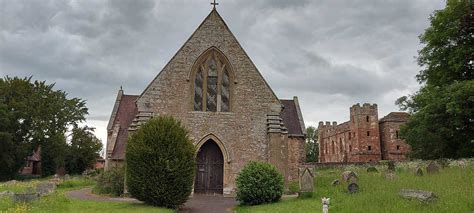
350 148
369 148
368 133
340 144
396 134
398 147
333 145
367 118
349 135
212 83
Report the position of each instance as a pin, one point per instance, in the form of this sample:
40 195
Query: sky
331 54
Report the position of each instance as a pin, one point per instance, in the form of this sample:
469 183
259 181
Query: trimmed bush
259 183
110 182
160 163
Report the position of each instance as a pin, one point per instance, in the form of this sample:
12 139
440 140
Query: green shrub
160 163
391 165
293 187
259 183
110 181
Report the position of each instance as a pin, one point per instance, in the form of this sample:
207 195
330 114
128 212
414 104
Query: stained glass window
211 104
225 91
198 83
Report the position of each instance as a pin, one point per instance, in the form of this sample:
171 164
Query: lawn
58 202
453 186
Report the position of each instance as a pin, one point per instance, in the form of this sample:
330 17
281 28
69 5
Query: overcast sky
331 54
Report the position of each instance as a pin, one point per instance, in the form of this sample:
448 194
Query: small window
396 133
369 148
398 147
333 145
367 118
349 135
350 148
368 133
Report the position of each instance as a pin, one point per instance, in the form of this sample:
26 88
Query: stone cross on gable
214 4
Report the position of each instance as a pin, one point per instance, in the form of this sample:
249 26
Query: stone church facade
231 113
364 138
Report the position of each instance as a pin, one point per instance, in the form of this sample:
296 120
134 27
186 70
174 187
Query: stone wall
296 156
393 147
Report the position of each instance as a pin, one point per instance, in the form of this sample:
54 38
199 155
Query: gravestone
353 188
45 188
56 180
349 176
371 169
390 175
417 194
419 171
462 164
25 197
6 194
306 183
335 182
433 167
67 177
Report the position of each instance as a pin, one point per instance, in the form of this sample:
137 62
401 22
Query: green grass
58 202
453 186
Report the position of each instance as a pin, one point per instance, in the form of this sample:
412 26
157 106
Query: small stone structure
306 183
390 175
349 176
419 171
45 188
26 197
6 194
433 167
353 188
325 202
418 194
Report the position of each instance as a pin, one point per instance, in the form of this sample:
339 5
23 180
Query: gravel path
196 204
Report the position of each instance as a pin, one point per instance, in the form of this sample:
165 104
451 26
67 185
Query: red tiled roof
290 117
126 112
396 117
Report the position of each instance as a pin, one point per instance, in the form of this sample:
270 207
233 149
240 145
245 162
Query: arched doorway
210 169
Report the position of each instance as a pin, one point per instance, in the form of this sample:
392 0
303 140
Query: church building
231 113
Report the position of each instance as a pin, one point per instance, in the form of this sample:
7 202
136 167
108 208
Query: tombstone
349 176
353 188
56 180
45 188
462 164
306 183
25 197
67 177
433 167
391 166
6 194
417 194
419 171
390 175
371 169
335 182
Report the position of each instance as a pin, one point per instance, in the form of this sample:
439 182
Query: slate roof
127 110
291 119
395 117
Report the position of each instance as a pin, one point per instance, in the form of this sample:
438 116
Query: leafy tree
441 125
39 116
83 150
7 147
160 163
312 146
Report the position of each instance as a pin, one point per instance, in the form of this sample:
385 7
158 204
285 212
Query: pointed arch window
212 83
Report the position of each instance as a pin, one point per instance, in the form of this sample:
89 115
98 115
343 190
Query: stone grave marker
45 188
417 194
67 177
353 188
28 196
433 167
306 183
56 180
390 175
419 171
349 176
335 182
6 194
371 169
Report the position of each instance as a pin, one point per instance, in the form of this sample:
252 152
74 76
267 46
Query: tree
39 116
441 125
311 145
83 150
160 163
7 147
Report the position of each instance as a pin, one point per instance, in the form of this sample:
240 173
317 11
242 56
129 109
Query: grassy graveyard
453 186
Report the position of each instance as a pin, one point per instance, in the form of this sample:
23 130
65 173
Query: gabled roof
126 112
292 118
395 117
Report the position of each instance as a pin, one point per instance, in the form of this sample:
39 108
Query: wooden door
210 169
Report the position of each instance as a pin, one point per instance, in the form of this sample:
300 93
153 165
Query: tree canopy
311 145
441 125
34 114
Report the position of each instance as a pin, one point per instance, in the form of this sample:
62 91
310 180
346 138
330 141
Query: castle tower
364 127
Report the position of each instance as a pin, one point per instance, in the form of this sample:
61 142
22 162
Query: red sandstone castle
364 138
